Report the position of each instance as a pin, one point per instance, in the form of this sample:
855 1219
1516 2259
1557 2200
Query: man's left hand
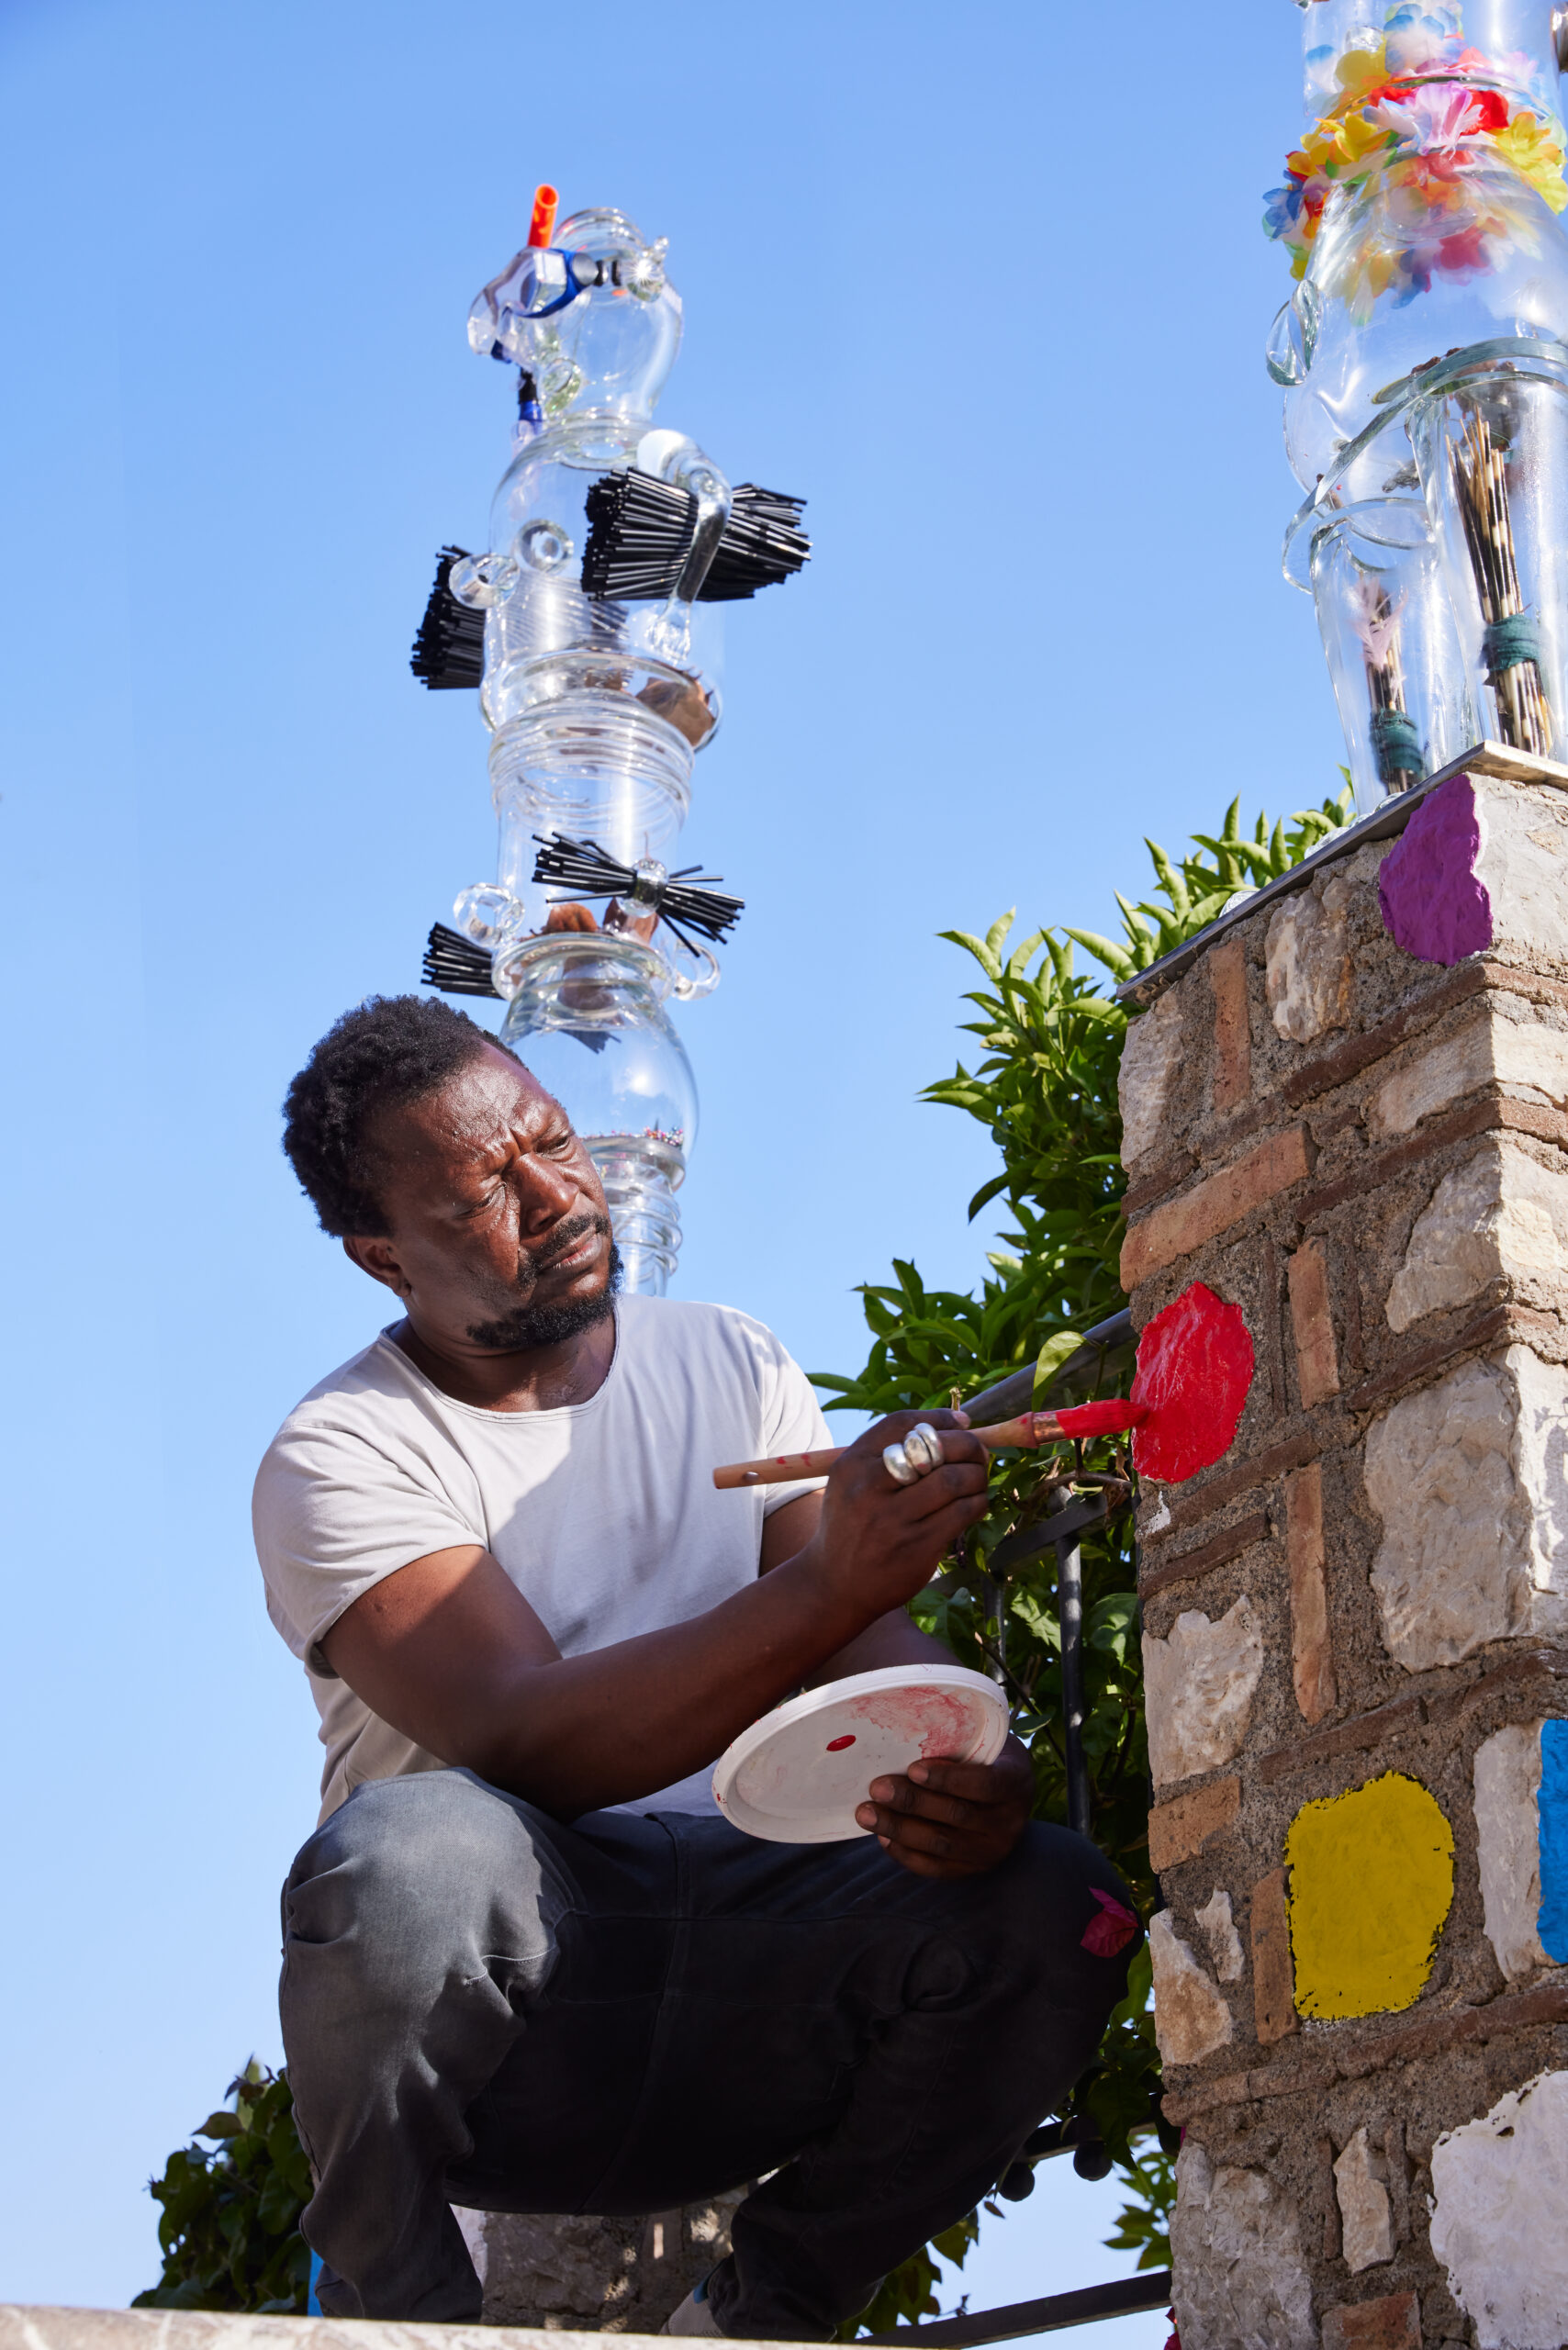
952 1818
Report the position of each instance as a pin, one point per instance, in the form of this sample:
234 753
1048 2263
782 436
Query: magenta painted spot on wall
1434 904
1194 1367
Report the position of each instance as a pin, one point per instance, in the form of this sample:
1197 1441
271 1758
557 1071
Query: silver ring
920 1452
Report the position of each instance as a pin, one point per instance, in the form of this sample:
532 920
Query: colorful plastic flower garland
1413 113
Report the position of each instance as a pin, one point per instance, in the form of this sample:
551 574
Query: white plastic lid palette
796 1776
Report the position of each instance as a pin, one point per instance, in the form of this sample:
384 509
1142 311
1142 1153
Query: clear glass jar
1423 206
1491 441
1388 633
587 1018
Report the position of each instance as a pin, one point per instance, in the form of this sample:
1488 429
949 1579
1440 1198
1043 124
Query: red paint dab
835 1745
1194 1367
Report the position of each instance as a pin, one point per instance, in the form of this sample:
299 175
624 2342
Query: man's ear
378 1258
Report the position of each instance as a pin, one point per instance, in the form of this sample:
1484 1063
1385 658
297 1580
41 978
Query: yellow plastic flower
1529 144
1361 69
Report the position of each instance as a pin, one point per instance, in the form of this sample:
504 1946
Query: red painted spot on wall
1194 1367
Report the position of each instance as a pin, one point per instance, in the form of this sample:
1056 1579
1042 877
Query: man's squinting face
498 1235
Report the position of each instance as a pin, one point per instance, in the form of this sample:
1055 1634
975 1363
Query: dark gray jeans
482 2007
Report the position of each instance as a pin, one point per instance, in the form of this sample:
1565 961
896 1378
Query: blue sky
987 288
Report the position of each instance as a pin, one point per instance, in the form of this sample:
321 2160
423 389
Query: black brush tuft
455 964
450 647
640 531
685 901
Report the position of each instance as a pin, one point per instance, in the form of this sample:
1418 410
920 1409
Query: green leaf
1050 1359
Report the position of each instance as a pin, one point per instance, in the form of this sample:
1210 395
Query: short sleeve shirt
603 1514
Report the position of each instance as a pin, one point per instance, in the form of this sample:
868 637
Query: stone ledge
23 2328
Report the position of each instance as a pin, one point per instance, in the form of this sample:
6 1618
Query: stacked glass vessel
596 709
1424 354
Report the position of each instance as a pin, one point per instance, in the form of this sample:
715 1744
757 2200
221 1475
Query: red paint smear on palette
835 1744
1194 1367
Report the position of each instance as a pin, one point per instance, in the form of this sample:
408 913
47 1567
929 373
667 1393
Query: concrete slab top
70 2329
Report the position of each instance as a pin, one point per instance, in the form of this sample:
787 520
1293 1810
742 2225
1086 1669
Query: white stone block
1500 2193
1198 1685
1507 1837
1468 1477
1219 1931
1307 959
1524 868
1366 2216
1150 1059
1502 1215
1241 2282
1191 2017
1525 1056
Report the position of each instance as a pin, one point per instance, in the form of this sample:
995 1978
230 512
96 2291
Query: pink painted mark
1110 1417
1112 1929
939 1723
1435 905
836 1745
1194 1367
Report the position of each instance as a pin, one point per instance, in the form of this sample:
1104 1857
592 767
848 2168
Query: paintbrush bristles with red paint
1078 1422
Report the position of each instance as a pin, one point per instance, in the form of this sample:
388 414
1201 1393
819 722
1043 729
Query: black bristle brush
450 647
455 964
686 901
640 531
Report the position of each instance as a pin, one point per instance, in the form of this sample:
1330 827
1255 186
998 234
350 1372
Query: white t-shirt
603 1514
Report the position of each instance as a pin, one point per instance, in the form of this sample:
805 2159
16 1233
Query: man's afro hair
389 1049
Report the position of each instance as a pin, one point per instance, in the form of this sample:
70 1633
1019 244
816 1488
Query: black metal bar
1124 2297
1070 1615
1032 1539
1016 1393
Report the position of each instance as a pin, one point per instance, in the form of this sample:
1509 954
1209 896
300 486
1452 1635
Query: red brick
1312 1655
1390 2323
1178 1829
1233 1026
1274 1976
1215 1204
1317 1357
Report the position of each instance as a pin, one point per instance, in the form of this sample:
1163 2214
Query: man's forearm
582 1732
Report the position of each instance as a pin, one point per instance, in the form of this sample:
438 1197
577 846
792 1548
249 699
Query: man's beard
523 1326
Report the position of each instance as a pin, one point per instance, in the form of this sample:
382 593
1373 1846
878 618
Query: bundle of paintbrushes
640 531
450 647
685 901
1511 645
1396 744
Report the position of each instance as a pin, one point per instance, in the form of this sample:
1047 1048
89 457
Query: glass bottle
1422 208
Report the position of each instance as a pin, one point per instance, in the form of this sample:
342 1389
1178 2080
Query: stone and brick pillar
1346 1112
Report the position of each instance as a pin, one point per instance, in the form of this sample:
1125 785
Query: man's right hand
882 1541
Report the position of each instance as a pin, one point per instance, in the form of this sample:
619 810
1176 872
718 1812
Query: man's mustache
566 1240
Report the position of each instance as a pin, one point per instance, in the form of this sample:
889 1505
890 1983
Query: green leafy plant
230 2225
1044 1085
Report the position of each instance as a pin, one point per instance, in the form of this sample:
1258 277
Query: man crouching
527 1965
